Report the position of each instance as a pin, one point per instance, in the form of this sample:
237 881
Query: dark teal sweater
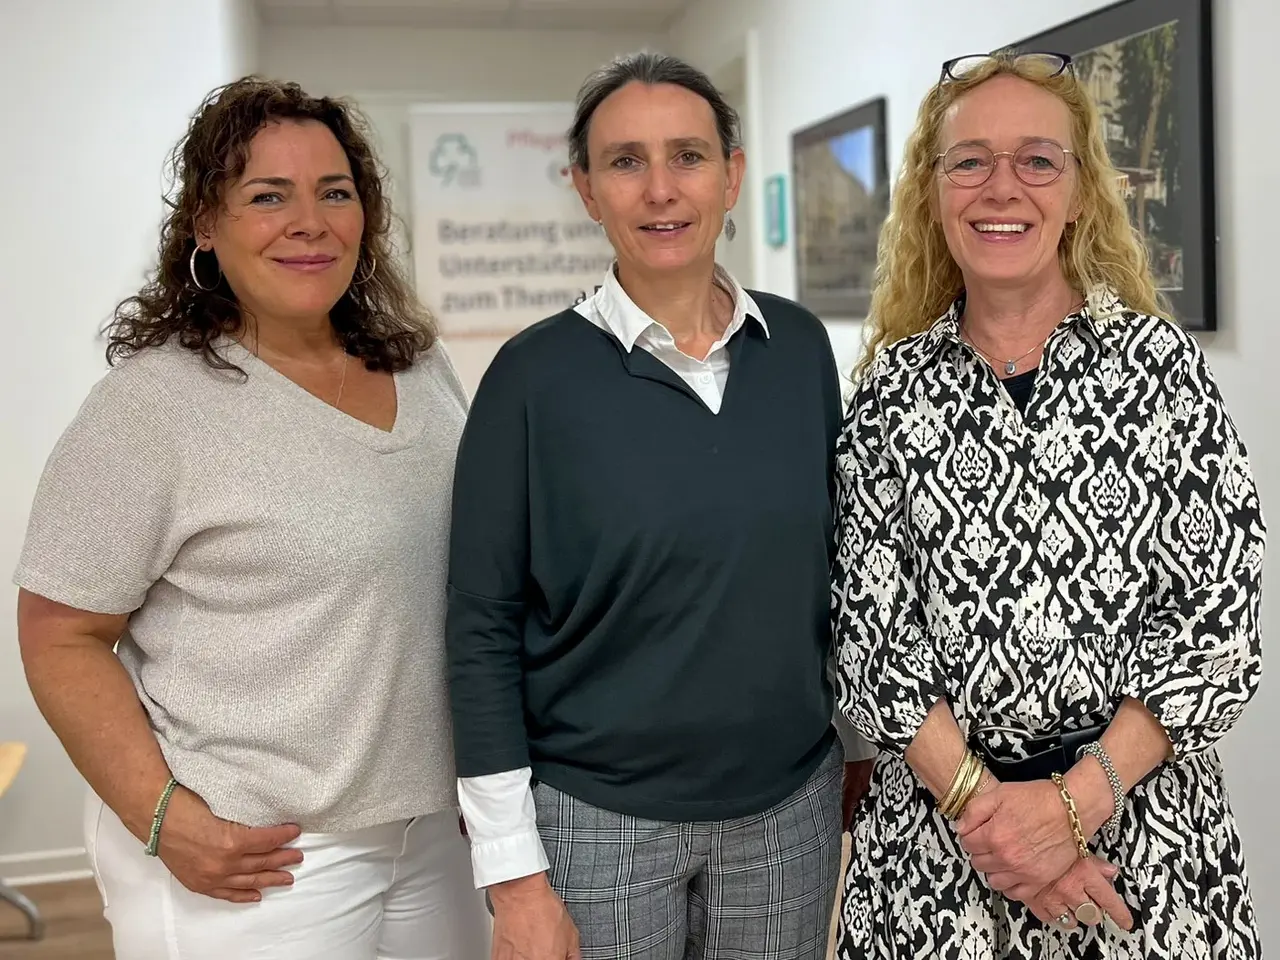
639 588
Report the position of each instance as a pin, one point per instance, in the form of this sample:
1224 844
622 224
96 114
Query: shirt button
704 378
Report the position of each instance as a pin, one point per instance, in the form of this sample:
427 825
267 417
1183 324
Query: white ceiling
535 14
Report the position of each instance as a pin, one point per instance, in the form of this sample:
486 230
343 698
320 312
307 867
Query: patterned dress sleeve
888 672
1198 660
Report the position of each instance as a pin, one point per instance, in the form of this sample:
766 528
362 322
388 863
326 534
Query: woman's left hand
1018 835
1088 881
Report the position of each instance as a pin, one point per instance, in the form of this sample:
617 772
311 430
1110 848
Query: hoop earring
191 266
373 266
730 228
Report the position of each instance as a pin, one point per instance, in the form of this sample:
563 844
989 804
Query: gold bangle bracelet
976 770
963 785
971 774
979 779
957 778
1074 817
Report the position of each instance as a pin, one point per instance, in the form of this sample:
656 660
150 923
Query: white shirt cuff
502 825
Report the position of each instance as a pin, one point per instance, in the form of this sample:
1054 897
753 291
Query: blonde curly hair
916 278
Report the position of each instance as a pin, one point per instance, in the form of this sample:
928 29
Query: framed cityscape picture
840 178
1149 67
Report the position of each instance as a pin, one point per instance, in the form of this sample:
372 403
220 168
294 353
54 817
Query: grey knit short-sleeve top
284 568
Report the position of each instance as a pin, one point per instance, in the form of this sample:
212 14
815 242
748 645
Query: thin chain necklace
343 381
1011 366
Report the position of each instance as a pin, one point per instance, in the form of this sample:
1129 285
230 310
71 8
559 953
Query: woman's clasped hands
1020 837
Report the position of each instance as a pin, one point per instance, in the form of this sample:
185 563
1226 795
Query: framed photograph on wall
1149 67
840 175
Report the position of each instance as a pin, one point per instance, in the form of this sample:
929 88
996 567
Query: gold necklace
343 381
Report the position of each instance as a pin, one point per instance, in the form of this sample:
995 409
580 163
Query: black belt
1056 753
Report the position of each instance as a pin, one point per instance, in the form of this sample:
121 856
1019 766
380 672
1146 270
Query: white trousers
398 891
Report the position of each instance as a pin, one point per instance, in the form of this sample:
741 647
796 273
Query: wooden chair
11 757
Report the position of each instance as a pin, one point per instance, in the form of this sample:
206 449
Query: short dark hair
379 320
649 69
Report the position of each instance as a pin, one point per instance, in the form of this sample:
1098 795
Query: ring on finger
1065 921
1088 913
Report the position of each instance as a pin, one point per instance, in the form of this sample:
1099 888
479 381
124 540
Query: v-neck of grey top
284 566
409 423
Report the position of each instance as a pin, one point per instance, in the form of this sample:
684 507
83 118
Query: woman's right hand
530 922
221 859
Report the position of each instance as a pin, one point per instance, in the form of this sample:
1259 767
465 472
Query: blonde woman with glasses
1049 560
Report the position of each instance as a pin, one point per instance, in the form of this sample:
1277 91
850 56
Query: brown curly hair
378 319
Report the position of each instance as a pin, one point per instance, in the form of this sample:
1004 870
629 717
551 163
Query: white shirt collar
629 323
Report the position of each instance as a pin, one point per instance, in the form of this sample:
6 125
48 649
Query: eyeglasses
1040 63
1036 163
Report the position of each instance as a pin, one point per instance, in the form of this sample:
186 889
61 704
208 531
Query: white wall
100 94
387 69
817 57
242 36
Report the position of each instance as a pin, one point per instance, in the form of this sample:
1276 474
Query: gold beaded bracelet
1074 817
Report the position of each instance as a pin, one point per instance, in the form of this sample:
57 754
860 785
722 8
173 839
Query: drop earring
730 228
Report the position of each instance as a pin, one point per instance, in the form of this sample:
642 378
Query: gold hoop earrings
373 266
191 266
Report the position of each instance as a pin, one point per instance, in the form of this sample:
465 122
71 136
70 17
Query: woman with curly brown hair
232 588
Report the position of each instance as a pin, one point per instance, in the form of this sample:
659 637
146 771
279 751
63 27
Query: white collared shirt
611 309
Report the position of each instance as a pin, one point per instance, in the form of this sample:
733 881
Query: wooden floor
74 928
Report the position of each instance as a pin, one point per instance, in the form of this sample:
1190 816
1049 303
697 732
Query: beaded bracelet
153 846
1076 829
1096 751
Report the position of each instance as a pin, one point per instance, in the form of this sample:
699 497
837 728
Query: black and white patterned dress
1035 569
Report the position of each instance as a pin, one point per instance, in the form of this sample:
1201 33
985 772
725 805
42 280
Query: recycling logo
454 161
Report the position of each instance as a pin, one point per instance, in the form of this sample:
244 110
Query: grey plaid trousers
756 888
